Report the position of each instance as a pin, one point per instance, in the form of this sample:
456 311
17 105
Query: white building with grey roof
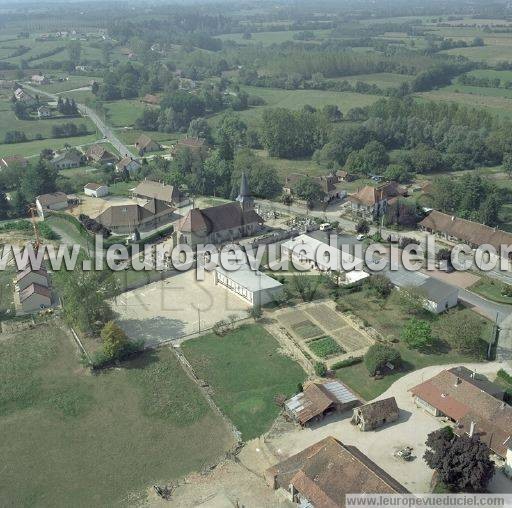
252 286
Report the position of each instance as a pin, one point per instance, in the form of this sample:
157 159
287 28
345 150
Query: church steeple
244 197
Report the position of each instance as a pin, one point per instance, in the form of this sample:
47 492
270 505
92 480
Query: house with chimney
322 475
222 223
128 164
374 201
475 406
170 194
100 155
32 291
145 144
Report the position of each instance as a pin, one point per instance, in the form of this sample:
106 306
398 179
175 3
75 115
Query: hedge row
353 360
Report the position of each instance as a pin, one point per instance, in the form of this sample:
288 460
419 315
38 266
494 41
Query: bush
353 360
380 284
320 369
505 376
417 334
378 355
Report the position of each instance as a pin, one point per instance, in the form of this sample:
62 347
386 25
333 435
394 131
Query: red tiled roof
466 402
328 470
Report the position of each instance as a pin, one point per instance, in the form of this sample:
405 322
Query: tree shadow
154 330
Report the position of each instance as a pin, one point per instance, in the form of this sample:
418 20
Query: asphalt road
102 127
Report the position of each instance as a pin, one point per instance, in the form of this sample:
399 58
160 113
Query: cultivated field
245 371
322 332
73 439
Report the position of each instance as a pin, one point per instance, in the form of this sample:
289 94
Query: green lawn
490 53
74 439
31 128
491 289
122 188
388 319
6 290
68 232
33 148
124 112
70 84
246 371
296 99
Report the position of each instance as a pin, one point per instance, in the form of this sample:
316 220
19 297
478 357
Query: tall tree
462 463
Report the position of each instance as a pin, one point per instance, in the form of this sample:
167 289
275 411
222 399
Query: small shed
318 400
52 201
95 190
376 414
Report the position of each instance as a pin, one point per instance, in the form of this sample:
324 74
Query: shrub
378 355
506 290
380 284
505 376
353 360
320 369
417 334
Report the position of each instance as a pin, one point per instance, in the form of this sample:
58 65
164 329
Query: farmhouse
375 414
374 201
195 145
53 201
28 276
96 190
344 176
251 285
166 193
461 230
22 96
128 164
100 155
474 404
145 144
145 216
68 159
39 79
325 472
34 298
222 223
318 400
13 161
44 112
326 183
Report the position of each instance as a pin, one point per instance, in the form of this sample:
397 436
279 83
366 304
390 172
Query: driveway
411 430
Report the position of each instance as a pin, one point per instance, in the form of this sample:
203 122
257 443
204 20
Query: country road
105 130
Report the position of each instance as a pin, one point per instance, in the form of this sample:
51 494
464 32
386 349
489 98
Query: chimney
458 381
453 218
472 429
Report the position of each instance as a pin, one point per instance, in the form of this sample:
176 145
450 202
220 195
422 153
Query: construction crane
33 211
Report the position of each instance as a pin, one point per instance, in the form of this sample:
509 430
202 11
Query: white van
325 226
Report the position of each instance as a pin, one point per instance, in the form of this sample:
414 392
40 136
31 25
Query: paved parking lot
176 307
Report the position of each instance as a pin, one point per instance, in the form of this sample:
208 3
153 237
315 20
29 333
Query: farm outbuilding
318 400
95 190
